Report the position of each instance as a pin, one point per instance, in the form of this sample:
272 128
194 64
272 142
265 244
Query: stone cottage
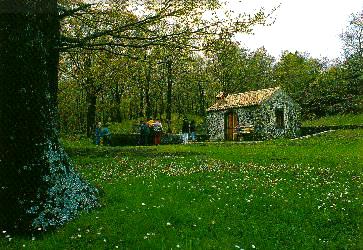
262 114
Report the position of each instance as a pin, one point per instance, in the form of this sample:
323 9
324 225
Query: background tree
228 59
352 37
295 72
338 88
258 70
353 51
328 93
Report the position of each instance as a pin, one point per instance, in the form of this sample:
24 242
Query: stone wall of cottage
262 117
266 124
246 116
215 124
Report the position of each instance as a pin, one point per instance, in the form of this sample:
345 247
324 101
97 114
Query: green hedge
134 139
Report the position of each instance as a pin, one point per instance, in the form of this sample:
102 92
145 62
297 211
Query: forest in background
181 78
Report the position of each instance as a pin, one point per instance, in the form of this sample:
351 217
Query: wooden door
231 123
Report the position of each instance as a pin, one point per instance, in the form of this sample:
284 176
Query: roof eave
234 107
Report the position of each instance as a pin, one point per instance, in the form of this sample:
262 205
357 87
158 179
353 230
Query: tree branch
67 12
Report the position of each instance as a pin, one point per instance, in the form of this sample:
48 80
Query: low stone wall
312 135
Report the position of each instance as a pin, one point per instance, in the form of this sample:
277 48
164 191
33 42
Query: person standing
185 130
158 129
144 133
150 123
192 130
98 133
106 135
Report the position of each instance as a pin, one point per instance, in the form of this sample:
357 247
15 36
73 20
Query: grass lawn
282 194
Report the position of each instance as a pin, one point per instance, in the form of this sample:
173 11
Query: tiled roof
245 99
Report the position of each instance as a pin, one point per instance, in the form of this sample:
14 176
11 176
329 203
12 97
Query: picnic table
244 132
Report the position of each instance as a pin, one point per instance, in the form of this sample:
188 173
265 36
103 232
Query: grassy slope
304 194
348 119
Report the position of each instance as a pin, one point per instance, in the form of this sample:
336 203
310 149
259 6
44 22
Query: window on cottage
279 114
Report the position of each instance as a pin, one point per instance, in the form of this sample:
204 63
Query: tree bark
169 94
201 99
91 100
38 186
148 110
161 111
117 112
141 102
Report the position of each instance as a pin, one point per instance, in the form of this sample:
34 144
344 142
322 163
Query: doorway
231 123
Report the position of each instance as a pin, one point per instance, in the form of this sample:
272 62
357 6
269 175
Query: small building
262 114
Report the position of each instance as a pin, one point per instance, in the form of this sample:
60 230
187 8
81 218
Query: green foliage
258 73
353 70
303 194
238 70
125 127
295 72
228 65
335 91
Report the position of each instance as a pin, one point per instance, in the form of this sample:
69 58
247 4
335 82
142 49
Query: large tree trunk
91 100
169 94
116 111
148 110
201 99
161 104
38 186
141 100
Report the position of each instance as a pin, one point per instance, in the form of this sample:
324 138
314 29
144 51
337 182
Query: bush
171 139
125 139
